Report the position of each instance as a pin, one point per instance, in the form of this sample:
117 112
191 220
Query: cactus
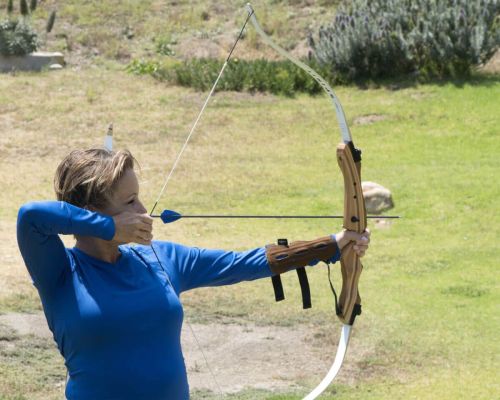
10 7
33 5
50 22
23 5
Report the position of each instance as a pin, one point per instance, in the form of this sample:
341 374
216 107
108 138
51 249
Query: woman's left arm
204 267
207 267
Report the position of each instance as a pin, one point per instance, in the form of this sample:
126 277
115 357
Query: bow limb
345 335
344 129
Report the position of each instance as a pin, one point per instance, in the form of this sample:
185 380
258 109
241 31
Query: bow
349 161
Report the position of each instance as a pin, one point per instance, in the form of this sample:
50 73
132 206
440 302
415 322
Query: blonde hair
88 177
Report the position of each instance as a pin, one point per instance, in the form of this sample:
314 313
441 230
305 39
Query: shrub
388 38
142 67
163 45
17 37
277 77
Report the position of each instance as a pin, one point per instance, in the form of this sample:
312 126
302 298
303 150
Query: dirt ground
240 356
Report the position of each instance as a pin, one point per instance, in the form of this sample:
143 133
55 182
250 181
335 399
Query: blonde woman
113 308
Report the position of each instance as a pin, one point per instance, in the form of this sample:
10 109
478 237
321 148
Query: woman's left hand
362 240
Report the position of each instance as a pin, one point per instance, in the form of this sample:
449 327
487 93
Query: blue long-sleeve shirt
118 325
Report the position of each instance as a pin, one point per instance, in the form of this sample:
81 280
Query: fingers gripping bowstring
176 162
174 166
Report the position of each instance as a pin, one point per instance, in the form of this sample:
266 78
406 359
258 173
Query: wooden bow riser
354 220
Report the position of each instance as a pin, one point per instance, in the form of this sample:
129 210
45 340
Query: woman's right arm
38 227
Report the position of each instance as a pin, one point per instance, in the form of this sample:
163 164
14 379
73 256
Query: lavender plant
387 38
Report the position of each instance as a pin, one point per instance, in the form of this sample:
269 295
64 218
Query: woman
113 308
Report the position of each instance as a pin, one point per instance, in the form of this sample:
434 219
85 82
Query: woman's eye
131 201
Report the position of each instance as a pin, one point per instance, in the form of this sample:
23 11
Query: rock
55 67
377 198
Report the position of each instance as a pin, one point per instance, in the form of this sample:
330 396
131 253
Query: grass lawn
430 325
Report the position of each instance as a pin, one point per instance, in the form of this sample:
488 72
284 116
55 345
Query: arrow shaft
278 216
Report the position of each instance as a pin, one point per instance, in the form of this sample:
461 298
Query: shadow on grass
477 79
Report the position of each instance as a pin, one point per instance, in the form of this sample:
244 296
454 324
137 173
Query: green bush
388 38
142 67
17 37
277 77
163 71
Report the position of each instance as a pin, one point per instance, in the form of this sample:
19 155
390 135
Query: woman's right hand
133 228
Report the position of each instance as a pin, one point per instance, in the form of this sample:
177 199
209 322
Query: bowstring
167 180
176 162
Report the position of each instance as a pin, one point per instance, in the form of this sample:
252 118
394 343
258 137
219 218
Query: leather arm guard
283 258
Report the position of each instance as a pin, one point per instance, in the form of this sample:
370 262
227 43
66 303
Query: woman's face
125 196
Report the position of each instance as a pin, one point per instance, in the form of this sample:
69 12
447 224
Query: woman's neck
101 249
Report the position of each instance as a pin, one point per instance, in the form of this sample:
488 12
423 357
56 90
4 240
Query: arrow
168 216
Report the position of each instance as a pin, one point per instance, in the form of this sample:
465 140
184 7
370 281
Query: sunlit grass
430 285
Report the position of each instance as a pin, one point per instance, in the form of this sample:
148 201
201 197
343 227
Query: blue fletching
168 216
